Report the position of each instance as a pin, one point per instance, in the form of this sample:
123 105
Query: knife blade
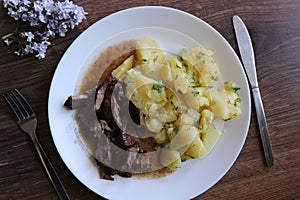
248 60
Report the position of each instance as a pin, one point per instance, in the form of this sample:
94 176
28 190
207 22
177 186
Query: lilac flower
16 8
46 17
41 48
18 53
7 42
11 3
26 2
29 36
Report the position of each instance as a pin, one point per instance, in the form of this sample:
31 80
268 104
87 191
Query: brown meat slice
101 91
77 101
114 122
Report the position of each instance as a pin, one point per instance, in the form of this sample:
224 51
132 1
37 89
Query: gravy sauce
102 67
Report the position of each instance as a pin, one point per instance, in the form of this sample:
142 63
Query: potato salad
179 98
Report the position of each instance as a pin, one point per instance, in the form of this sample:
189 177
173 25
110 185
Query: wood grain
274 26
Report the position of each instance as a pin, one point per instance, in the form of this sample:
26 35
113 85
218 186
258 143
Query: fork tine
12 106
18 105
23 102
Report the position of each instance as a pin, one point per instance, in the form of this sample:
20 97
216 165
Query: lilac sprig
39 21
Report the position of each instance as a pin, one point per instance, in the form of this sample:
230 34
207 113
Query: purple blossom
41 48
48 18
7 42
29 35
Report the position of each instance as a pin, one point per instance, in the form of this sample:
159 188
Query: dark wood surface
275 29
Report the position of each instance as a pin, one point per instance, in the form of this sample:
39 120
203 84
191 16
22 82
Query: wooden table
275 29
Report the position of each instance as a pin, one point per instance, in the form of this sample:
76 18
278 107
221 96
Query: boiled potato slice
174 99
226 102
218 102
171 111
134 80
203 151
180 81
168 156
166 73
175 63
121 70
185 157
211 138
206 119
195 99
195 148
161 137
171 131
140 88
200 59
193 55
150 55
208 72
184 119
184 137
233 100
157 93
189 117
154 124
174 165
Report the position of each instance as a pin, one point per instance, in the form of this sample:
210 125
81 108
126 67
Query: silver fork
27 121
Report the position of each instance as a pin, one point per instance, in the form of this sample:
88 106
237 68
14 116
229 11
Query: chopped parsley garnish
236 101
235 89
196 93
155 59
215 78
158 87
200 55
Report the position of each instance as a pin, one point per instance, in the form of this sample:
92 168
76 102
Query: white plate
173 29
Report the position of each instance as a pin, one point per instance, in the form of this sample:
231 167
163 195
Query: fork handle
60 190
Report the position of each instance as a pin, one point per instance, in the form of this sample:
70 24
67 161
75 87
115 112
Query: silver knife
247 54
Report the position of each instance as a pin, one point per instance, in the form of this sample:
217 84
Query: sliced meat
77 101
115 123
101 91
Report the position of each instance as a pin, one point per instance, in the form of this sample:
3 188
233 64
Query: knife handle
263 127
